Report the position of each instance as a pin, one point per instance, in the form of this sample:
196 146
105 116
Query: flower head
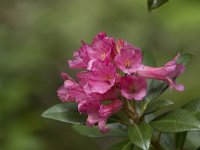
113 73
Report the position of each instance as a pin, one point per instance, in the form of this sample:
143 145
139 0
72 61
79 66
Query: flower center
127 64
108 78
133 88
103 56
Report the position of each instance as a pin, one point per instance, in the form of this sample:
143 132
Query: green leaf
156 88
65 112
156 105
185 58
128 146
137 148
140 135
115 130
152 4
193 107
176 121
123 145
180 140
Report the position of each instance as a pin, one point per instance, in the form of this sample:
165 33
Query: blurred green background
37 37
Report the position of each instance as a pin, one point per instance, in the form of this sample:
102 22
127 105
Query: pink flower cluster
113 72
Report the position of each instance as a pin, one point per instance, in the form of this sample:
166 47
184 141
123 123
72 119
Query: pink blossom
90 104
91 108
62 92
102 47
109 109
100 79
111 94
63 95
70 91
167 73
121 44
81 57
133 87
129 59
99 113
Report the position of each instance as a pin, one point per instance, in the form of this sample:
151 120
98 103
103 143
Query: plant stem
156 145
156 142
130 110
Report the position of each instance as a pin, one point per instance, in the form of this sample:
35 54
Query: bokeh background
37 37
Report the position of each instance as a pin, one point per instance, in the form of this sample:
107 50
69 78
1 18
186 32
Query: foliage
152 4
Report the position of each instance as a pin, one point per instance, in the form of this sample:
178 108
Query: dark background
37 37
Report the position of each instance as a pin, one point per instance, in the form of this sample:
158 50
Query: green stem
130 110
146 103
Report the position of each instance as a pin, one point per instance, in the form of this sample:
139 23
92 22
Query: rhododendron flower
121 44
99 113
72 91
101 47
109 109
81 58
129 60
167 73
113 73
100 79
63 92
133 87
